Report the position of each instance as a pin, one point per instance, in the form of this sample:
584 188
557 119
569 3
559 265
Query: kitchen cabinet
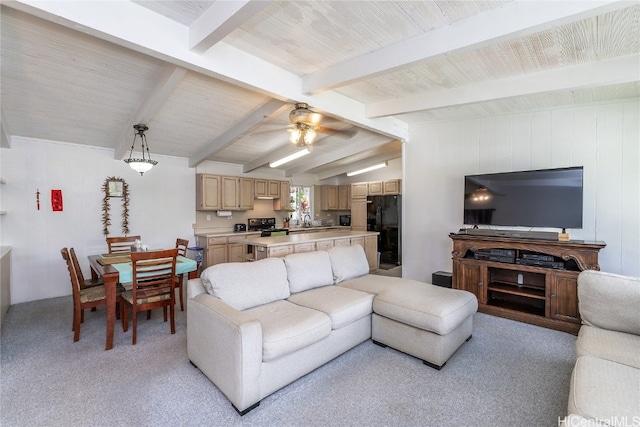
359 214
324 245
344 199
359 190
260 188
208 192
282 202
230 193
391 187
543 293
236 252
215 192
304 247
267 188
216 251
273 188
328 197
247 192
375 188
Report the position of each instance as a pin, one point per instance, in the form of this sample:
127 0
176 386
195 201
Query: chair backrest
75 281
181 245
153 274
76 265
121 244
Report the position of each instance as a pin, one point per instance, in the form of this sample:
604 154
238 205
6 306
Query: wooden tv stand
543 294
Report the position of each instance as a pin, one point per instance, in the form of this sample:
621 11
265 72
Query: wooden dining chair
83 298
121 244
153 286
181 246
84 282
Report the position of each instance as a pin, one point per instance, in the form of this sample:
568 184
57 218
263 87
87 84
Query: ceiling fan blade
345 133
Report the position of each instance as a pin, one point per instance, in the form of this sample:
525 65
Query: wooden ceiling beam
220 19
516 19
271 108
167 80
607 72
167 40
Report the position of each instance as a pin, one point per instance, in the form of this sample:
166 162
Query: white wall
605 139
161 209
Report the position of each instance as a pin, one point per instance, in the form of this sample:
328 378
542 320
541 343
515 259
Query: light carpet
510 373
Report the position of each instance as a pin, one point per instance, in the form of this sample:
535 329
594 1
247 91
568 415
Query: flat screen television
534 198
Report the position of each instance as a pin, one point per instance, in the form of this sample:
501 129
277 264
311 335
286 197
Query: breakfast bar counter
279 246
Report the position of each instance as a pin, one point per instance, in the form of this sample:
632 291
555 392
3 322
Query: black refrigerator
384 215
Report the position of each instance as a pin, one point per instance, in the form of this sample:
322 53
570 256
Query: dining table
116 268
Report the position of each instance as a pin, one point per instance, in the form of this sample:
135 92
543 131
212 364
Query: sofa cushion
244 285
610 345
342 305
621 311
424 306
604 390
373 283
308 270
348 262
287 327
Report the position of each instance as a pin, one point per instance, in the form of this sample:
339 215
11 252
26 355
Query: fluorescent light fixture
289 158
370 168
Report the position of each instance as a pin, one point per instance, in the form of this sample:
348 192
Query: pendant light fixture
145 163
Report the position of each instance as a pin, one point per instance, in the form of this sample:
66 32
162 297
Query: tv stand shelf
544 295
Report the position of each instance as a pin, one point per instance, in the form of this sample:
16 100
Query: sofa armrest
226 345
609 301
195 288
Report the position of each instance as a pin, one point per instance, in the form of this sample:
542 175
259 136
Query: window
300 201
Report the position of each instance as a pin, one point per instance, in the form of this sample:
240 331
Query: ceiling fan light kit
368 169
145 163
289 158
302 134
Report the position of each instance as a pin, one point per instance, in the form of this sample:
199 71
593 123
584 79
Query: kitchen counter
280 246
273 241
298 230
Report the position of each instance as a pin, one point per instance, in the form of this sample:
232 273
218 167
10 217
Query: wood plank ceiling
215 80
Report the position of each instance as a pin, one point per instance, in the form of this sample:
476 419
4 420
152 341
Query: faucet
307 220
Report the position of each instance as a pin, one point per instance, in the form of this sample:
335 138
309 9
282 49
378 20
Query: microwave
345 220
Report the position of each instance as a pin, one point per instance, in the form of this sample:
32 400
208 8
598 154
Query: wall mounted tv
535 198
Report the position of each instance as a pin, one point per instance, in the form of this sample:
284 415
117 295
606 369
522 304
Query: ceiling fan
305 124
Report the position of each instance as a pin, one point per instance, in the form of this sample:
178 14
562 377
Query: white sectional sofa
605 383
254 327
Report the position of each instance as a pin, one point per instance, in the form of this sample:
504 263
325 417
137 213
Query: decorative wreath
115 187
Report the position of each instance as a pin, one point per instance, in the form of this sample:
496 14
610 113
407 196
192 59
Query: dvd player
497 258
536 263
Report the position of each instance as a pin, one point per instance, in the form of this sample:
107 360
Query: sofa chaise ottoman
253 328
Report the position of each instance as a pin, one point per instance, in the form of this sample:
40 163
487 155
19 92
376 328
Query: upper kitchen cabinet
359 190
328 197
247 191
230 194
375 188
214 192
208 192
334 197
391 187
344 199
282 203
267 188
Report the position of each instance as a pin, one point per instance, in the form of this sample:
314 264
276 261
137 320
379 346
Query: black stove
265 225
